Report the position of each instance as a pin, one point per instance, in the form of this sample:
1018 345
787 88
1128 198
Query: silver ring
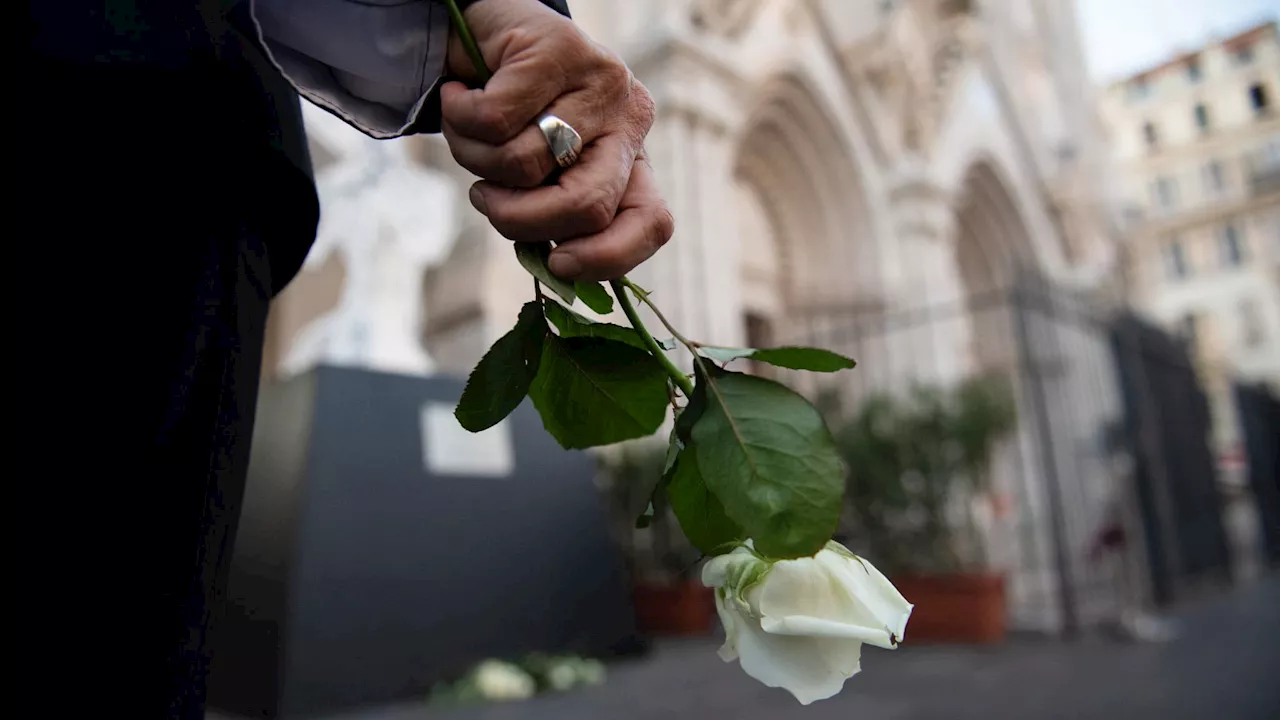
564 142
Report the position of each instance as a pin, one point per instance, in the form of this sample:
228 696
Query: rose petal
729 650
810 668
813 588
872 590
817 627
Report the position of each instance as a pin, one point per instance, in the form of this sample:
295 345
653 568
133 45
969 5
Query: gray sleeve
373 63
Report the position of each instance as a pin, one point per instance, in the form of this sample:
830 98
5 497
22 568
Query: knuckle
522 167
595 209
467 161
519 37
643 108
663 226
492 120
614 75
566 36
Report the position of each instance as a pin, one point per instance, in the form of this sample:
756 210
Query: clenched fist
604 211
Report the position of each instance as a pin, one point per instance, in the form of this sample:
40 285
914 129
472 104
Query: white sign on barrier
448 449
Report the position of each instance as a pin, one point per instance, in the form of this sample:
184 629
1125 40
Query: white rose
497 680
591 672
562 676
800 624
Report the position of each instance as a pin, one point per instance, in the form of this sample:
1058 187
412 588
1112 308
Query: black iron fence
1259 410
1167 425
1104 498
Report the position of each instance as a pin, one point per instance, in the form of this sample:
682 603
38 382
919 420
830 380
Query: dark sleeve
376 66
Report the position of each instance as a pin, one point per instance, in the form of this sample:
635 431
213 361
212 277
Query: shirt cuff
373 63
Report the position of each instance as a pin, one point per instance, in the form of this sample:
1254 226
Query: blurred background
1049 232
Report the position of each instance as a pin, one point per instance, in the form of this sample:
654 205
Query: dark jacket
165 76
164 195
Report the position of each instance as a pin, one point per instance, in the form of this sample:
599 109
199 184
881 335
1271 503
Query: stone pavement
1225 665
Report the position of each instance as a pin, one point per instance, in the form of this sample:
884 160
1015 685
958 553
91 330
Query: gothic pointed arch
795 163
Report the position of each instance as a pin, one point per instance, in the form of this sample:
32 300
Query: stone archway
807 249
993 241
992 246
1057 360
803 175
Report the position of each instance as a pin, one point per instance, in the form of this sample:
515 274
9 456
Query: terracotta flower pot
960 608
683 608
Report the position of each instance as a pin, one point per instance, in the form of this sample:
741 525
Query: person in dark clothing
165 198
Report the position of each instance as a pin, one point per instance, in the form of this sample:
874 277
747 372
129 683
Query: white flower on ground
800 624
591 672
497 680
563 675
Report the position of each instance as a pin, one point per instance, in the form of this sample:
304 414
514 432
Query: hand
604 211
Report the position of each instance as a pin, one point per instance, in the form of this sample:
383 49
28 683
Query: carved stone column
695 278
931 329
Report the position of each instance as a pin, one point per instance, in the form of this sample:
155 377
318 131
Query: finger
642 226
583 201
525 161
509 102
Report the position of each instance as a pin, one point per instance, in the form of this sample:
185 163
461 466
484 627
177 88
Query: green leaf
673 452
533 256
502 378
646 518
701 515
795 358
687 416
593 391
770 460
572 324
594 296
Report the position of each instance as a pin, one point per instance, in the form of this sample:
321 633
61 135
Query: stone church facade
821 158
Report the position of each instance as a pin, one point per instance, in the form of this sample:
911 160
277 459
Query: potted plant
668 595
915 465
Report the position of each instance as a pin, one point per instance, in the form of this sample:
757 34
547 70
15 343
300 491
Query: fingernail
564 265
477 200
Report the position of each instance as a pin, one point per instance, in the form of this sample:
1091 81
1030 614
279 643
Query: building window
1244 55
1251 331
1258 99
1214 182
1202 118
1193 70
1165 192
1149 134
1175 261
1230 247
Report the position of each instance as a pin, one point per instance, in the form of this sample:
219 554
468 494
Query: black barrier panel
360 577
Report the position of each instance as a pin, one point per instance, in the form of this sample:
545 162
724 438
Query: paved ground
1225 665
